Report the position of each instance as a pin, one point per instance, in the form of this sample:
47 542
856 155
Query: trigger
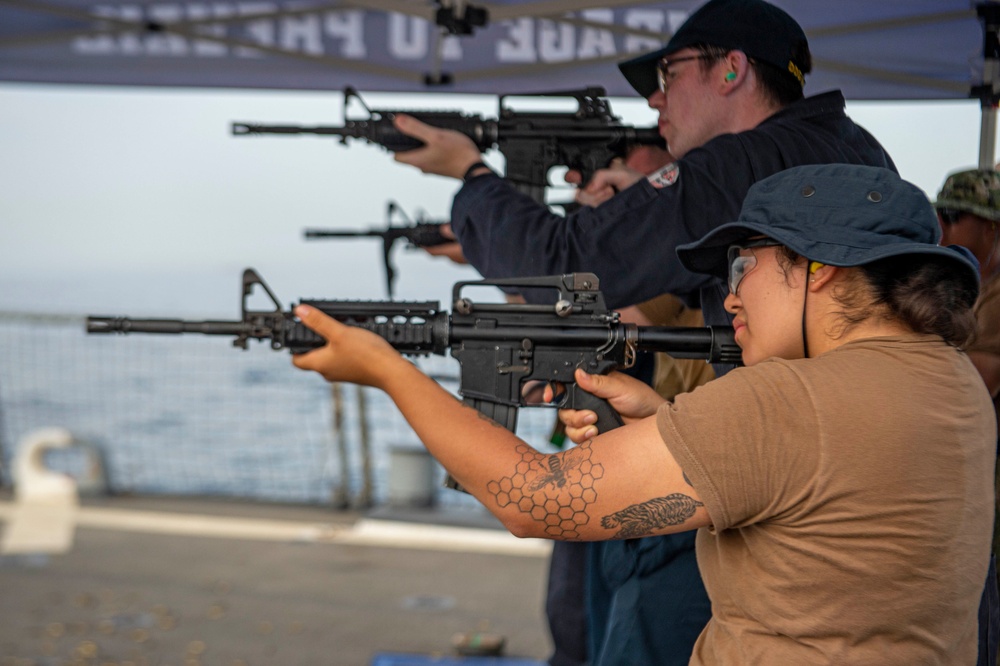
558 393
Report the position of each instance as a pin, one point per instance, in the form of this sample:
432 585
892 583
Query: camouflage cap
976 191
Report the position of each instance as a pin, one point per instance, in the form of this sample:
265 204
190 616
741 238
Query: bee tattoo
557 469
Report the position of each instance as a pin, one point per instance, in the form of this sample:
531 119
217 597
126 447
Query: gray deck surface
126 594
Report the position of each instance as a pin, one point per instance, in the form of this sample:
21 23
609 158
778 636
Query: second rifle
532 142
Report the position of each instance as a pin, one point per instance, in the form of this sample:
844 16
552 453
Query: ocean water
193 415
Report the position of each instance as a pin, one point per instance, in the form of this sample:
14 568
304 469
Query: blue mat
391 659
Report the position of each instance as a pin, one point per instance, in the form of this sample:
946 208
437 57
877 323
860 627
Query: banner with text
871 49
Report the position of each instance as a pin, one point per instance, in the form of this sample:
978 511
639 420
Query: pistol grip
607 418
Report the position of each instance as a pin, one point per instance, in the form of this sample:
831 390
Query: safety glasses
741 264
663 77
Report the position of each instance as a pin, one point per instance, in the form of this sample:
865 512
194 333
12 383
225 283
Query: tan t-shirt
851 513
986 339
987 336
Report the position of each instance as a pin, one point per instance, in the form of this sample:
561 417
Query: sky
140 201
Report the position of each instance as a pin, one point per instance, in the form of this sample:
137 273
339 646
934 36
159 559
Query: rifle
421 233
532 143
499 346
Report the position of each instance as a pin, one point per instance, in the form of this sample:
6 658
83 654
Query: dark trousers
566 605
989 619
647 602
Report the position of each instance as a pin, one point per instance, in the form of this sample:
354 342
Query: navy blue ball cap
759 29
836 214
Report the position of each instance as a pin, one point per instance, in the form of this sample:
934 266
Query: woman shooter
841 483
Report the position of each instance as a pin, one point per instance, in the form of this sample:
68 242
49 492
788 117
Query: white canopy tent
870 49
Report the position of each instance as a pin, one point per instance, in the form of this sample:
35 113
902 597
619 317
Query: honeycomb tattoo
554 489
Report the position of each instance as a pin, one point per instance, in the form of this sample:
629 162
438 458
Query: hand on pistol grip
600 403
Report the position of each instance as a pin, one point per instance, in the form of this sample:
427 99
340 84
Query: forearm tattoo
483 417
557 490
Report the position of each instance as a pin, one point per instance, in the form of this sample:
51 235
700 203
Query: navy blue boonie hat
759 29
836 214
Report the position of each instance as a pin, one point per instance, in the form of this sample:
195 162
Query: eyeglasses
663 68
949 215
741 264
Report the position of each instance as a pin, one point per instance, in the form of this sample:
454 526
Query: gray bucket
411 477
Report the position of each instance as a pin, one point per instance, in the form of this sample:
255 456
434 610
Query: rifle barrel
252 128
341 233
128 325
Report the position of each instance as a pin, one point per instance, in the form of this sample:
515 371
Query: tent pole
989 91
988 137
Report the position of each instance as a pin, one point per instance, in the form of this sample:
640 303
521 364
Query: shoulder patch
665 176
